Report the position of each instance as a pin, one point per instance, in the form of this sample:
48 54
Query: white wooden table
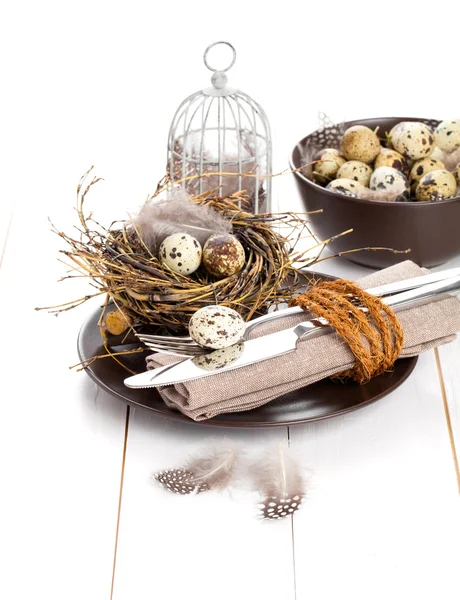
97 83
82 518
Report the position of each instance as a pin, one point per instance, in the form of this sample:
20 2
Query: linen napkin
425 327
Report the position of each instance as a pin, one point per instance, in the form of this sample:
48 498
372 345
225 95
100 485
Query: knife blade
275 344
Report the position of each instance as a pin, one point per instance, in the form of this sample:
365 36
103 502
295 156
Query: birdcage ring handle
205 56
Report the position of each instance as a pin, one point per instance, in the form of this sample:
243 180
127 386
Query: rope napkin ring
374 336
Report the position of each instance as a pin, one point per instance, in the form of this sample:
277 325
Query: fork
412 296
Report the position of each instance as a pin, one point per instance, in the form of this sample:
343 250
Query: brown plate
321 400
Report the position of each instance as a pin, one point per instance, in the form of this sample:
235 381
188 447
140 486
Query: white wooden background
97 83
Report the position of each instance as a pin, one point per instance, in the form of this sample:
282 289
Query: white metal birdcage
224 131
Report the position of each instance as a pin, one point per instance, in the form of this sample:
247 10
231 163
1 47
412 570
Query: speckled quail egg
218 359
355 170
421 168
387 179
394 132
348 187
329 162
391 158
223 255
360 143
181 252
448 135
413 139
216 327
436 185
457 173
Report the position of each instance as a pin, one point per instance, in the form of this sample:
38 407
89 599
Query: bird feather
215 467
280 482
159 218
209 470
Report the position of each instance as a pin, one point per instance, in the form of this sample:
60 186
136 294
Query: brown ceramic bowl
429 229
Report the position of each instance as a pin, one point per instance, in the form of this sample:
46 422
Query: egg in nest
223 255
448 135
387 179
216 327
436 185
356 171
181 252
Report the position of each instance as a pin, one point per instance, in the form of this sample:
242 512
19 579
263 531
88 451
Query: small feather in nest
159 218
279 481
211 470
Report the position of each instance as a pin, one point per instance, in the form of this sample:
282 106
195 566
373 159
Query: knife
276 344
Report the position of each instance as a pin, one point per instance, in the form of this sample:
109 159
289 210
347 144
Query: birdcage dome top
221 130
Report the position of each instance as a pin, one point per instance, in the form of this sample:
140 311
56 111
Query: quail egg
218 359
394 132
223 255
448 135
181 253
329 162
387 179
391 158
355 170
348 187
457 173
412 139
421 168
436 185
360 143
216 327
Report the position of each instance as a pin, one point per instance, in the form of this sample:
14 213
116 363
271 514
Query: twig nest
412 139
356 171
348 187
448 135
329 162
391 158
216 327
387 179
223 255
422 167
360 143
181 252
436 185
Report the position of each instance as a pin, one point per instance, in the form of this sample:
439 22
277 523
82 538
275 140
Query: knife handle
313 328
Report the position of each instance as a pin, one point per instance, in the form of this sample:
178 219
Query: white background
97 83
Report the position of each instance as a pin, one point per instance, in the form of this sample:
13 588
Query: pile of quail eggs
411 168
222 255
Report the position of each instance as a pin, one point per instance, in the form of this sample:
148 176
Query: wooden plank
61 439
448 359
208 546
382 520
